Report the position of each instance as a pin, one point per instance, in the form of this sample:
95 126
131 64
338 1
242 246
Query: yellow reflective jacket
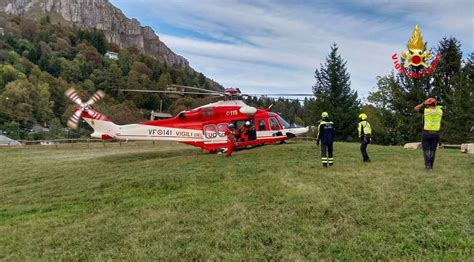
364 128
432 118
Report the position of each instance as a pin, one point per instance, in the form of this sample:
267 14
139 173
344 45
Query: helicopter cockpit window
283 122
261 125
274 124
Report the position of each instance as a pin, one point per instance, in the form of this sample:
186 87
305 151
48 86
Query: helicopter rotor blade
73 96
96 97
285 98
169 92
194 88
293 99
74 119
94 114
219 96
280 95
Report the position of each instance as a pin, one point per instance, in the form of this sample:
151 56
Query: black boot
325 165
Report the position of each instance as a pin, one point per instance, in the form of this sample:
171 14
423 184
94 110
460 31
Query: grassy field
273 202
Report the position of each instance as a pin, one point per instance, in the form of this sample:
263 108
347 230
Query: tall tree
448 69
459 120
387 110
17 101
451 84
164 81
334 94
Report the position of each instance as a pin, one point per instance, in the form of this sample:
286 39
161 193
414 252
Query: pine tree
334 94
459 119
451 84
454 89
448 69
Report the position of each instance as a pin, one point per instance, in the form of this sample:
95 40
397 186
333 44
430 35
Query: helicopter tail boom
103 128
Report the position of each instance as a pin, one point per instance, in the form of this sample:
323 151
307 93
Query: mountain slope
101 15
43 53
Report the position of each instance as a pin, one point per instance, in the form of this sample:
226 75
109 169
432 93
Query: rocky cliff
102 15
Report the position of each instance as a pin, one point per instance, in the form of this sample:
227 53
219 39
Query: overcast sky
275 46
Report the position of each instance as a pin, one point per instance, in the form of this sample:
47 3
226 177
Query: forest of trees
391 105
39 60
390 108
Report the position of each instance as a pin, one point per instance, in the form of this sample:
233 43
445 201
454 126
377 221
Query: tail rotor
83 107
96 97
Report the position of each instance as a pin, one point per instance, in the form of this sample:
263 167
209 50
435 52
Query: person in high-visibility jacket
432 115
326 134
365 135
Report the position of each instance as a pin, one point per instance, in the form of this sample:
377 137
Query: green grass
273 202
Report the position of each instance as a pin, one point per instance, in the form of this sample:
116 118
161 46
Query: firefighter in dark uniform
365 132
326 135
432 115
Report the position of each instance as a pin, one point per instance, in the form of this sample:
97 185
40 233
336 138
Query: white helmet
247 123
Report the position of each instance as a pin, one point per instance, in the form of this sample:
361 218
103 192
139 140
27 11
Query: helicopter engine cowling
197 114
190 115
248 110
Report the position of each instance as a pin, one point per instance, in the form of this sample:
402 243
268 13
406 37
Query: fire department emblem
416 55
416 60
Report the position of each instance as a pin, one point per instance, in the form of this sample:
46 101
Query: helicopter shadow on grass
161 155
247 148
153 155
258 145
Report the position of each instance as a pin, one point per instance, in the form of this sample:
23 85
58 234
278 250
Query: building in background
111 55
159 115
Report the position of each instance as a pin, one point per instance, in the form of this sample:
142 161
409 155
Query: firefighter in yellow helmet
432 115
365 135
326 134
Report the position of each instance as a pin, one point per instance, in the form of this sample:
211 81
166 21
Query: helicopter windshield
283 122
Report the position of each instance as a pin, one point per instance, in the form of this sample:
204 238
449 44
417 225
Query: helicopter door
252 134
274 125
262 125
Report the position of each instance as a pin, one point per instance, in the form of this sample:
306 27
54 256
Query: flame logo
416 54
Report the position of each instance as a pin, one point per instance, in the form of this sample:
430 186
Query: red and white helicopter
203 127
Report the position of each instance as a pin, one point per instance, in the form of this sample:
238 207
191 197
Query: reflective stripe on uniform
323 123
324 160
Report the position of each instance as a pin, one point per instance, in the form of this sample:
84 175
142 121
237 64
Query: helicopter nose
297 131
303 130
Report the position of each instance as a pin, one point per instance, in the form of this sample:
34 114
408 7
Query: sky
263 46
